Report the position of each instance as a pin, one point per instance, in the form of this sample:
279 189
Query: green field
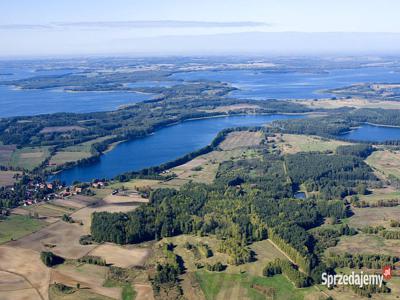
16 226
30 157
75 152
50 210
128 293
380 194
292 143
239 286
387 162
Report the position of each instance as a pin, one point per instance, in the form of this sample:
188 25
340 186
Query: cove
164 145
373 133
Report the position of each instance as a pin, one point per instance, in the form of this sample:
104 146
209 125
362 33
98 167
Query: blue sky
71 27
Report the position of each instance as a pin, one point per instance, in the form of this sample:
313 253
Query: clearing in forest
293 143
387 162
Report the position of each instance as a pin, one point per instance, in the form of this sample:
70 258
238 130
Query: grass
353 102
29 158
50 210
6 153
381 194
81 294
374 216
134 184
264 250
292 143
239 286
63 157
75 152
16 226
7 178
366 243
241 139
128 293
387 162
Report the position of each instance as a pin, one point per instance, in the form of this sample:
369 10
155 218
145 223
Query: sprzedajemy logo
357 279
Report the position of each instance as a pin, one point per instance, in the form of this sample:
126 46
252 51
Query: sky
161 27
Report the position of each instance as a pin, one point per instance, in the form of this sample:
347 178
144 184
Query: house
98 184
77 190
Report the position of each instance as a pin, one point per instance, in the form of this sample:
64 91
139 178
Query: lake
373 133
252 84
17 102
164 145
258 84
42 101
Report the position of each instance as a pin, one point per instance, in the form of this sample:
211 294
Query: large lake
17 102
252 84
164 145
42 101
259 85
373 133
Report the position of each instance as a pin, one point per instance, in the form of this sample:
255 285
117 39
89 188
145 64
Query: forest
251 200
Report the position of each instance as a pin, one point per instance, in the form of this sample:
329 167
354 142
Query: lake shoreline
143 152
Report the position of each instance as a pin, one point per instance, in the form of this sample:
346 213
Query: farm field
387 193
366 243
80 294
16 226
29 158
122 256
49 210
243 286
387 162
90 277
24 265
62 157
85 214
240 139
234 107
352 102
74 153
134 184
7 178
292 143
6 152
374 216
61 237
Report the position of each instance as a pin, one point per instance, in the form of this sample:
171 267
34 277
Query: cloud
133 24
23 26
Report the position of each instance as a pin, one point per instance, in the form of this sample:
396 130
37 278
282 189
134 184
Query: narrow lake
164 145
373 133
